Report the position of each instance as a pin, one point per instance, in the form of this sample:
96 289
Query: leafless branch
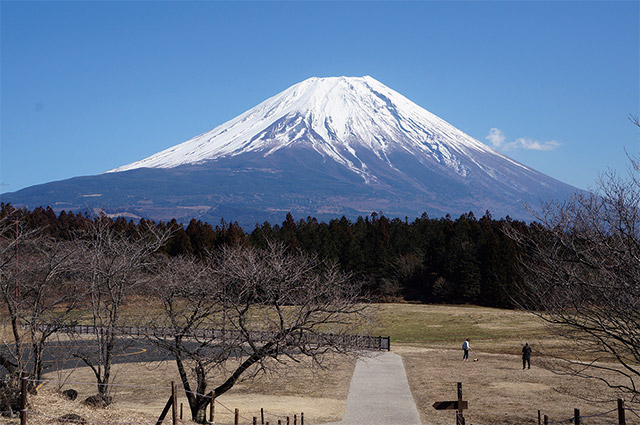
583 271
270 305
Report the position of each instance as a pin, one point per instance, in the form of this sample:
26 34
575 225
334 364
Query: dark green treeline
444 260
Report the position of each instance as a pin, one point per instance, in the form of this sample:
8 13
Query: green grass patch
447 326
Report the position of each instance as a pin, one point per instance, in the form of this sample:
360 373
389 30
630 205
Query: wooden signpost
458 405
450 405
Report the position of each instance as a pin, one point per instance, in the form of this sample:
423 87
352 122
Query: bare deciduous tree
183 287
583 278
37 286
265 305
115 266
48 292
11 240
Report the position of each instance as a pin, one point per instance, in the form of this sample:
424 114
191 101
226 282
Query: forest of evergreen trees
443 260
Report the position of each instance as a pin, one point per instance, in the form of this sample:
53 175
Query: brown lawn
427 337
498 390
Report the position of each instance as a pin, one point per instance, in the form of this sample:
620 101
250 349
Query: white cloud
526 143
496 137
498 140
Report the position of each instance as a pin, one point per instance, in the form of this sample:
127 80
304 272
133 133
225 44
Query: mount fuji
325 147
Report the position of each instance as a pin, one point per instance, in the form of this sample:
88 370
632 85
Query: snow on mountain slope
323 148
344 119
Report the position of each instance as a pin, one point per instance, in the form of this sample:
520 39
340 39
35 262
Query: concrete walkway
379 393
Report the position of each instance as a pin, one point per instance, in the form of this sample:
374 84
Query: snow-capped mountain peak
323 148
341 118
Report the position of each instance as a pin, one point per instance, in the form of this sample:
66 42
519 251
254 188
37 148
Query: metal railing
364 342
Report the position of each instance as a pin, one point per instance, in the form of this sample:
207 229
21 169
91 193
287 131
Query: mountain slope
323 147
337 117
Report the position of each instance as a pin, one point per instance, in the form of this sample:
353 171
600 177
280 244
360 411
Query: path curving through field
379 393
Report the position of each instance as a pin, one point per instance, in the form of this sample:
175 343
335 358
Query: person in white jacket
465 347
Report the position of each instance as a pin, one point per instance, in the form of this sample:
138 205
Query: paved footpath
379 393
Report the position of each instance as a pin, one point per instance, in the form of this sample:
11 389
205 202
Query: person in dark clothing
465 348
526 356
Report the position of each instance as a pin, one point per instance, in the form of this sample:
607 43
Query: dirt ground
499 391
142 390
427 337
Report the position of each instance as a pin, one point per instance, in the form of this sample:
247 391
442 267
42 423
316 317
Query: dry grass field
142 390
427 337
498 390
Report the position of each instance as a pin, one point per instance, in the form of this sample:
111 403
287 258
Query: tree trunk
199 411
38 349
103 384
15 327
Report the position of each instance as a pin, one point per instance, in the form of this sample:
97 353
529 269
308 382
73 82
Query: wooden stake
165 411
255 421
180 411
174 402
301 418
212 406
576 416
539 418
621 418
459 417
262 416
236 417
546 420
23 401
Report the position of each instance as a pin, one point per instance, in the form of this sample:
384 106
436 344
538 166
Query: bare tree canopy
260 308
583 278
38 289
115 266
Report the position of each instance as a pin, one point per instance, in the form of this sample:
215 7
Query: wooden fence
458 405
173 406
578 419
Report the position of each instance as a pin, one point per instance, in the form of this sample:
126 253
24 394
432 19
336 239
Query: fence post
301 418
295 419
539 418
262 416
459 416
236 416
212 406
546 420
174 403
576 416
621 418
23 401
165 411
255 421
180 411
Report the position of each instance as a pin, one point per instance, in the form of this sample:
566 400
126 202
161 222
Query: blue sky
89 86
